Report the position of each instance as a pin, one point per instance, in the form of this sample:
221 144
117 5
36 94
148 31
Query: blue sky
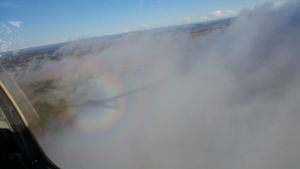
36 22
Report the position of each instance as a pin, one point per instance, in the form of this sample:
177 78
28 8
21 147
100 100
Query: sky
35 22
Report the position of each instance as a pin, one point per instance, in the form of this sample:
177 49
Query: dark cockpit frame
19 148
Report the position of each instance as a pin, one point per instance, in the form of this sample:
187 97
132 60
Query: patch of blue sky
55 20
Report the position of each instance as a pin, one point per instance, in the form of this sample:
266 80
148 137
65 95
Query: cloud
126 30
217 14
223 13
226 100
17 24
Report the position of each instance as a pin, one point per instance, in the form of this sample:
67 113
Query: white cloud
126 30
217 14
205 98
17 24
222 13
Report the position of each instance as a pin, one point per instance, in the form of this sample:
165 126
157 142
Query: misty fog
224 100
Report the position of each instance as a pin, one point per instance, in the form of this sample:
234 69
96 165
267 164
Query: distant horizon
116 34
31 23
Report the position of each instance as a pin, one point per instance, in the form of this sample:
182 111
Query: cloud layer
227 100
